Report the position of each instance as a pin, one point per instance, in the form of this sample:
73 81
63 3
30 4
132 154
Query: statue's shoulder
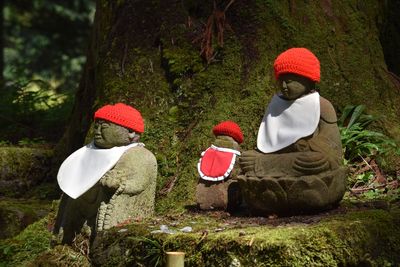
328 113
140 153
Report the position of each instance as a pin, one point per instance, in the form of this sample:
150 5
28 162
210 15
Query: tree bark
149 54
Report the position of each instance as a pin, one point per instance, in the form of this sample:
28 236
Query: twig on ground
360 190
379 177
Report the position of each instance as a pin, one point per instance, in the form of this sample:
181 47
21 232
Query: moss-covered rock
23 248
36 246
15 214
358 238
23 168
358 234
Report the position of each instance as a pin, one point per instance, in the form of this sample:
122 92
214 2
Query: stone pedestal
223 195
293 195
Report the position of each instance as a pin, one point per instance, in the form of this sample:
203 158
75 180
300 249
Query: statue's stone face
108 134
294 86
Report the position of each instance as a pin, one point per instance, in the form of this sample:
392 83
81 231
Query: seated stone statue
217 187
110 181
297 166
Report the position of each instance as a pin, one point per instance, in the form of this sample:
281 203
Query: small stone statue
217 187
110 181
297 166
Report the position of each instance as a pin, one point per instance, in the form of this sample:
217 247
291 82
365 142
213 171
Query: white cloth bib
85 167
286 121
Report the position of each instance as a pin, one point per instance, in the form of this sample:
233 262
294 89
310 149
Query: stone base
293 195
223 195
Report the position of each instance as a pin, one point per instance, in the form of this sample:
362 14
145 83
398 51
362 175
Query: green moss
353 239
22 168
356 238
32 241
15 215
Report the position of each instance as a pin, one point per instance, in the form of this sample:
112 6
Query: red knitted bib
216 163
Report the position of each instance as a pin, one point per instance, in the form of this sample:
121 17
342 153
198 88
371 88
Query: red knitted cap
123 115
229 128
299 61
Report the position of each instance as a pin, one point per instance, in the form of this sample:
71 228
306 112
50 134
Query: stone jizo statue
297 165
217 187
110 181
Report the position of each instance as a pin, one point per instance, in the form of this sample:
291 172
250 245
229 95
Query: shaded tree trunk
1 44
150 54
390 37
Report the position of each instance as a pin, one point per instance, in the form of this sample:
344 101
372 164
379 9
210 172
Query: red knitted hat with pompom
299 61
123 115
229 128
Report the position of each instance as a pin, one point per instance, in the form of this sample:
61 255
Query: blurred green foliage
361 147
358 141
44 52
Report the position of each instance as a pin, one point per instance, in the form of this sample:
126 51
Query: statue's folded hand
247 162
110 181
311 163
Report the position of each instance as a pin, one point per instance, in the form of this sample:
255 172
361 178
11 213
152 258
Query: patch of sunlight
41 94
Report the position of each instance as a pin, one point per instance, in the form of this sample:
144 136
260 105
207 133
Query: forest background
43 49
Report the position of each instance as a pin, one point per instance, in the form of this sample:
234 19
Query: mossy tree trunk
147 54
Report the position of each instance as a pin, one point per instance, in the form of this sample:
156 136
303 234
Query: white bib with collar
85 167
286 121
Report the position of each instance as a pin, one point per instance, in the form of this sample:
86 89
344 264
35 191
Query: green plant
359 142
362 148
373 194
4 143
154 250
30 142
363 178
